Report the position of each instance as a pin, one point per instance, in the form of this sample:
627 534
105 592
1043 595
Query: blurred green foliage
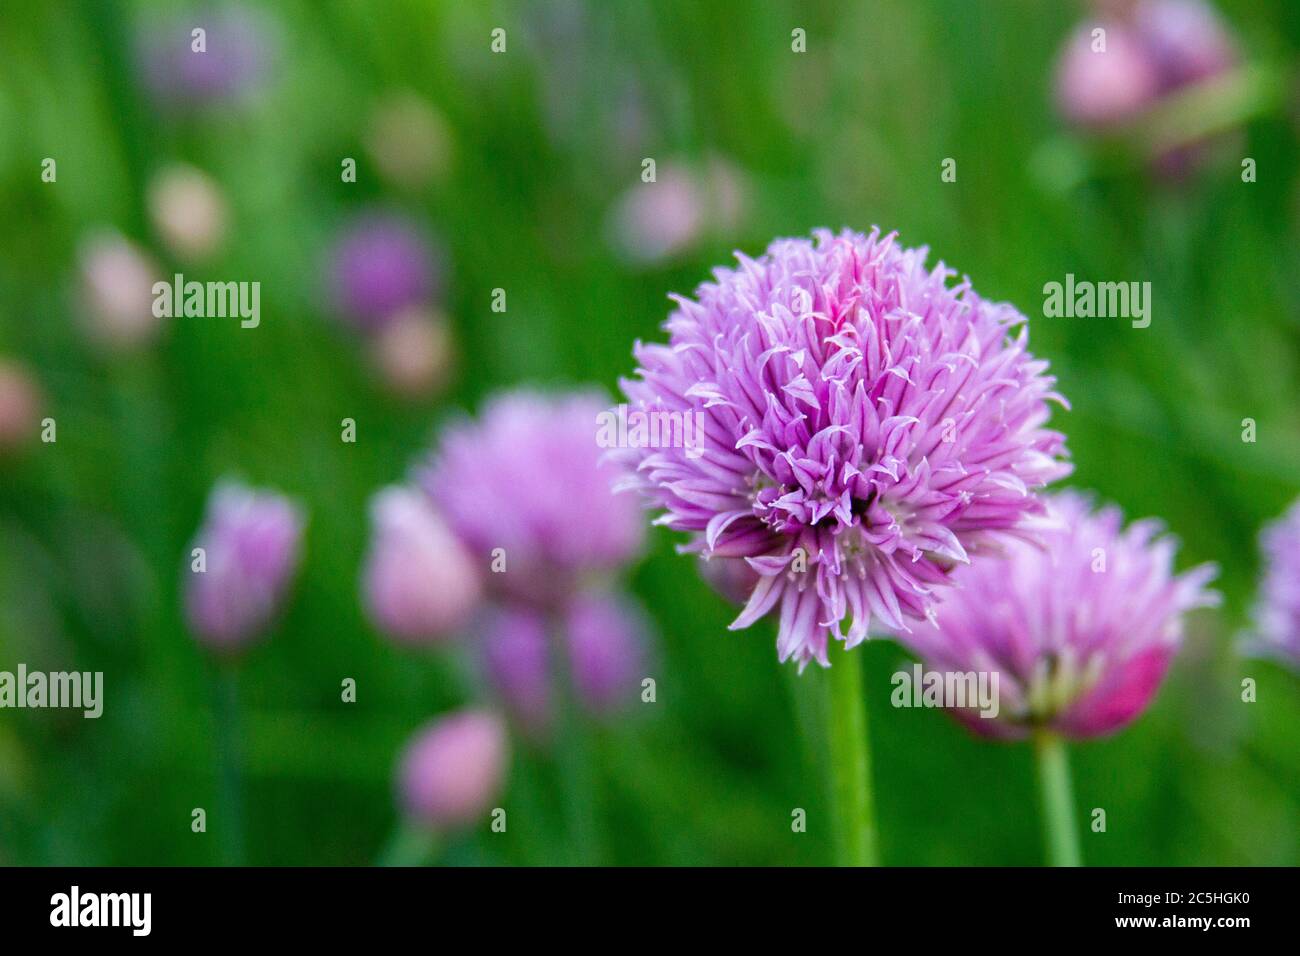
93 529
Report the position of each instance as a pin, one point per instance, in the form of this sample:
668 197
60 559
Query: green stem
1059 829
849 762
573 753
410 845
230 822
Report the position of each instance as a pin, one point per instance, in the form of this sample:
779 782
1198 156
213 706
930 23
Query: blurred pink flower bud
20 404
413 353
420 586
235 585
658 220
453 769
1100 85
409 141
188 212
117 282
517 659
606 640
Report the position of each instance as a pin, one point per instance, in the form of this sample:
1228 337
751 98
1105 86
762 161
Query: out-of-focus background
523 169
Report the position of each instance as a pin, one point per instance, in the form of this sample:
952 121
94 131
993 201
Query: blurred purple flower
1080 632
1276 632
605 637
380 265
860 417
528 479
250 541
420 586
1152 48
453 769
517 659
227 64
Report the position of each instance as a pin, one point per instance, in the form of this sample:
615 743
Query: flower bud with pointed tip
452 770
251 541
420 586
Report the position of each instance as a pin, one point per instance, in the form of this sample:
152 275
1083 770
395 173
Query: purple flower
1276 631
1079 631
250 542
865 427
380 265
606 642
420 586
225 64
517 659
453 769
526 490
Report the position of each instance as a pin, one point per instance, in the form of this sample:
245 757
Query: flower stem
849 762
229 773
1059 830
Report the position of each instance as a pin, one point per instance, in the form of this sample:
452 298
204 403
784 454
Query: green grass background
93 528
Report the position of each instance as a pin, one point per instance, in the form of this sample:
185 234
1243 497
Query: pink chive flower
250 543
1079 631
1276 631
527 492
453 769
865 428
381 264
420 586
